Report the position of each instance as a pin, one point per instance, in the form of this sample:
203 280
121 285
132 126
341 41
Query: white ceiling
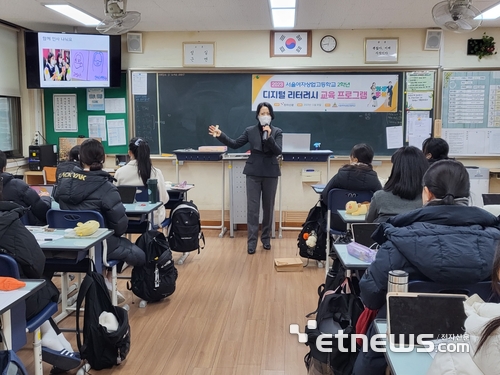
204 15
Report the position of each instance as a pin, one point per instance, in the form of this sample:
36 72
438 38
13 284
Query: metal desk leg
231 199
6 321
221 226
280 227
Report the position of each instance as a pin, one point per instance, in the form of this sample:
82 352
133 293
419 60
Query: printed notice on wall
95 99
116 132
115 105
139 83
65 113
394 137
97 127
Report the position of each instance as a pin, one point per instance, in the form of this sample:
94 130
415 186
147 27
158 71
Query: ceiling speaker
433 40
134 42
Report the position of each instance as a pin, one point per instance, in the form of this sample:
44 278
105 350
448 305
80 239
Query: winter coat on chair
446 244
484 362
93 190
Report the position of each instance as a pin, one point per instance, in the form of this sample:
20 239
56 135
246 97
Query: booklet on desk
288 265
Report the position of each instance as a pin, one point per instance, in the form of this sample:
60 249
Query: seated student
139 170
403 190
20 243
358 175
18 191
482 323
72 162
91 189
445 241
435 149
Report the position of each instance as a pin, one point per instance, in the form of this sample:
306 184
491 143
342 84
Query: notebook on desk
424 313
296 142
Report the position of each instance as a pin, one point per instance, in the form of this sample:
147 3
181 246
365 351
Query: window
10 126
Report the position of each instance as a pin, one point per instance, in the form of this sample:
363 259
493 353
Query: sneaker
63 360
320 264
119 297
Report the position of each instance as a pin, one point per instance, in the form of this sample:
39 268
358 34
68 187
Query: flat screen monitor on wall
72 60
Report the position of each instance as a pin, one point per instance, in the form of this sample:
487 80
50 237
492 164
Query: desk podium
195 155
303 156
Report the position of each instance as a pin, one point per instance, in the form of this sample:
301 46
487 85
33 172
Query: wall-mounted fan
117 20
458 16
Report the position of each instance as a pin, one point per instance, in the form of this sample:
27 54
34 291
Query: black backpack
156 279
315 226
10 364
101 349
184 230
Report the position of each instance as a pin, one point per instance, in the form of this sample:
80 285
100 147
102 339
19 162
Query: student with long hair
403 190
139 170
446 241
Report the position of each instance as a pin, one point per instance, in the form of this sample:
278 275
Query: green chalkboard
178 109
82 113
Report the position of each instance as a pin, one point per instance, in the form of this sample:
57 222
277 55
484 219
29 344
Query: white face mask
265 120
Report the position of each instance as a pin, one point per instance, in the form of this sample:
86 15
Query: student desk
318 188
348 261
9 299
412 363
75 244
195 155
349 219
301 156
142 208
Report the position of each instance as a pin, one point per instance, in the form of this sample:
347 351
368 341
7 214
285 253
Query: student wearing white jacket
482 326
139 169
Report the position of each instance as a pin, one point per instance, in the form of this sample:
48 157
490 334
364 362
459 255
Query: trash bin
479 184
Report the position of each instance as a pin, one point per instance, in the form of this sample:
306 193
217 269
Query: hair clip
138 142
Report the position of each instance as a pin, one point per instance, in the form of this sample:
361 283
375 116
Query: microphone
265 135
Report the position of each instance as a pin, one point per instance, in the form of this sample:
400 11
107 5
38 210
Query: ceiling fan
118 20
458 16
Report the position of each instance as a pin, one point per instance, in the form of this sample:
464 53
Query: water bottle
152 189
398 281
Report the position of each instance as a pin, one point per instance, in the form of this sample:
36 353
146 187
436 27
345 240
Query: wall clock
328 43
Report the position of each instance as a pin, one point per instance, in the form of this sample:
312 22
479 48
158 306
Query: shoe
251 251
267 246
119 297
63 360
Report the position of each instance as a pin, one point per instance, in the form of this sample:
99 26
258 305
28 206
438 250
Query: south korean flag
290 44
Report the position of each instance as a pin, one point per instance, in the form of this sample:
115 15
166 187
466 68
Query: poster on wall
326 93
65 113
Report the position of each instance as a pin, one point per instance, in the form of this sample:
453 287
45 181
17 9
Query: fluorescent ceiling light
77 15
282 4
491 13
283 18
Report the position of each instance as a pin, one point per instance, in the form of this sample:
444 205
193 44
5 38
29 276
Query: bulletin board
471 112
53 131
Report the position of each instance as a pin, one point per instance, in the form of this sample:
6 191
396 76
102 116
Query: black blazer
263 160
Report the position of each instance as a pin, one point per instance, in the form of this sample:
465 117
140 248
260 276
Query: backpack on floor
312 238
156 279
184 230
100 348
10 364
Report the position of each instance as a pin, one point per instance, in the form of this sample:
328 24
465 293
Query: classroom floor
230 314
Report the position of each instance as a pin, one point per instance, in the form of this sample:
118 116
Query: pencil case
361 252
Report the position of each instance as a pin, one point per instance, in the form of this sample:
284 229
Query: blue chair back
337 199
483 288
68 219
8 266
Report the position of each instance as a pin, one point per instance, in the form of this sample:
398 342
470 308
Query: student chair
49 175
9 267
62 219
337 199
482 289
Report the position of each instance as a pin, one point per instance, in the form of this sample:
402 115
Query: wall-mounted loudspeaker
433 40
134 42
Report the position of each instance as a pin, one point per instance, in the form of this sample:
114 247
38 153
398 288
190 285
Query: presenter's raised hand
214 130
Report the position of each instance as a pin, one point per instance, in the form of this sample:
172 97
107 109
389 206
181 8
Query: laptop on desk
438 314
44 189
296 142
127 193
362 234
